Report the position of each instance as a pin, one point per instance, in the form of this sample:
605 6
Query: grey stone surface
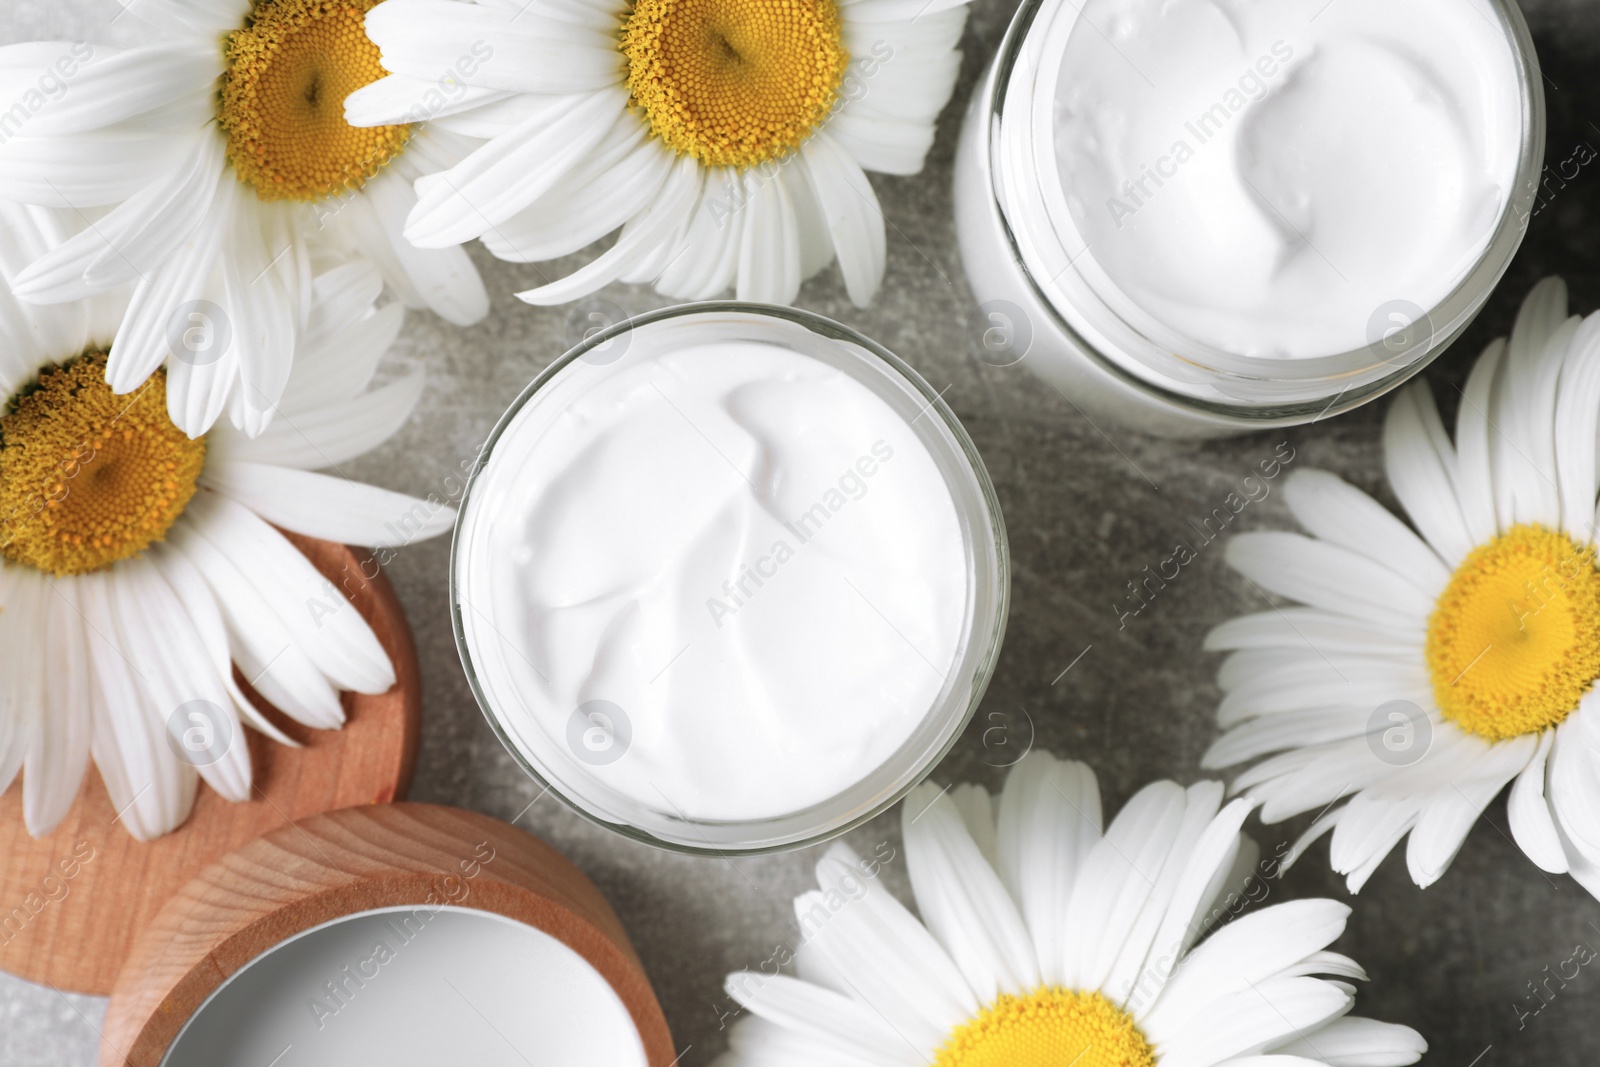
1086 513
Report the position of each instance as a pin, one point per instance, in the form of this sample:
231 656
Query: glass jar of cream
1201 217
729 578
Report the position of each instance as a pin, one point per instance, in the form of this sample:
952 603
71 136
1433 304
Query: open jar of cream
729 578
1199 217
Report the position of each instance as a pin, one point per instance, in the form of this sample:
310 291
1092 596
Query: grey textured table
1086 513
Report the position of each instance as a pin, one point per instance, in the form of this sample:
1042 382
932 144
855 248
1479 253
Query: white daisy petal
150 786
118 85
871 970
1311 777
511 171
706 258
341 366
1241 954
1475 448
264 648
677 196
56 763
197 18
769 257
1118 876
259 279
184 689
1253 1020
1302 681
831 1019
962 900
441 279
332 509
399 98
89 170
1335 511
1310 628
1352 1041
22 594
1421 465
1285 730
854 219
1524 404
526 51
342 296
1574 785
1049 820
976 808
754 1041
591 200
1577 424
1449 815
134 237
1528 811
1204 848
1328 576
331 633
143 342
189 586
877 931
324 436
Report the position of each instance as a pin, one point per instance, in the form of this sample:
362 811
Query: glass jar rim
1285 390
972 665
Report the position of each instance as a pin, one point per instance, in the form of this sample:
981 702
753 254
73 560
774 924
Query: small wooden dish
346 864
73 931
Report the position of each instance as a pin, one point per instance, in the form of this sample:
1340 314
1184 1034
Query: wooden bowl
74 900
344 864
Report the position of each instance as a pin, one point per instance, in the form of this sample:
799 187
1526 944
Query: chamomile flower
139 565
1432 664
726 139
1045 941
208 161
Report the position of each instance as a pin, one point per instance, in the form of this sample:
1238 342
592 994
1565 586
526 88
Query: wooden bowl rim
584 922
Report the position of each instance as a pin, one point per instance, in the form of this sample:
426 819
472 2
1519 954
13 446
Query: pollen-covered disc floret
88 477
1514 642
288 73
1048 1028
734 82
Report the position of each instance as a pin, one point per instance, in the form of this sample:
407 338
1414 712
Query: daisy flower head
139 566
209 160
1047 940
1429 665
726 139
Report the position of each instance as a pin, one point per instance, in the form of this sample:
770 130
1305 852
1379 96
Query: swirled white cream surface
1267 176
731 578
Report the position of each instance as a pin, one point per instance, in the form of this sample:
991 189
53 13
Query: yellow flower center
288 73
1514 642
1048 1028
734 83
87 477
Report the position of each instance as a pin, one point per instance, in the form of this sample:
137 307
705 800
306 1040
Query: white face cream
720 576
1197 216
1261 175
